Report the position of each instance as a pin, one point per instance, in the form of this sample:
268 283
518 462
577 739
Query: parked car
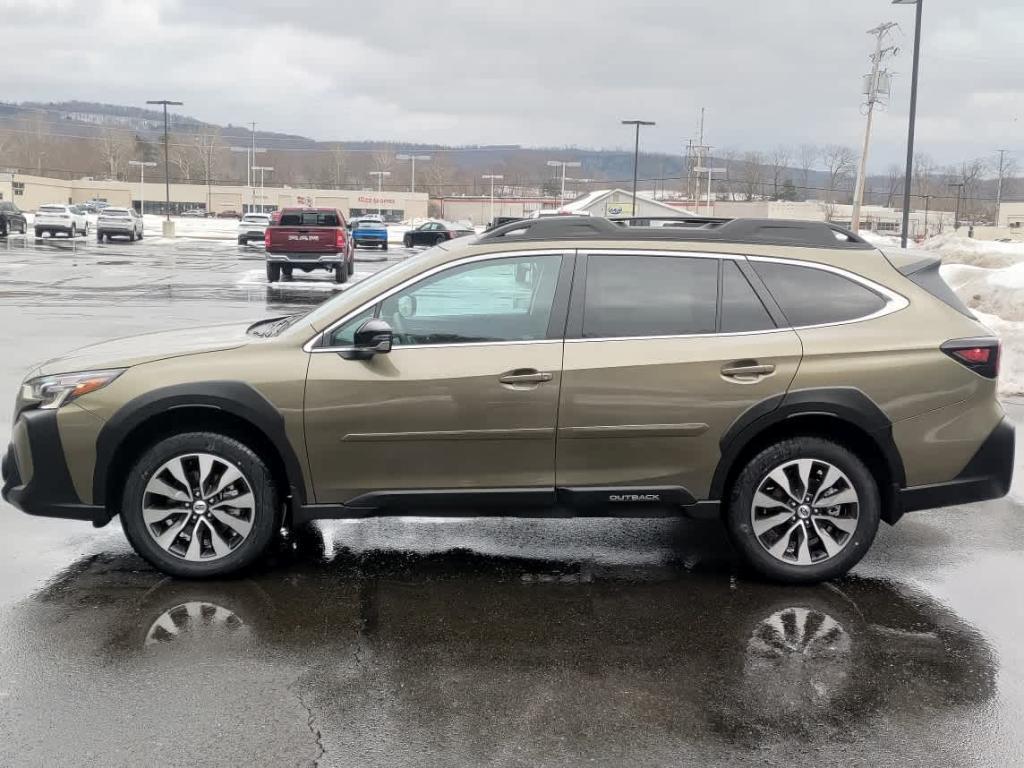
252 226
194 213
229 215
94 205
370 230
308 239
739 372
11 219
500 221
120 222
434 232
59 218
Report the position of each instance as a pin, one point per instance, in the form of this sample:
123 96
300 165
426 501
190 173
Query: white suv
124 222
56 217
252 226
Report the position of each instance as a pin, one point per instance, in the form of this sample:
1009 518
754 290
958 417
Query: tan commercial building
874 218
1011 215
29 192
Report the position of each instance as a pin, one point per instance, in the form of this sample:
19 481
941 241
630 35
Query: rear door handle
751 371
525 376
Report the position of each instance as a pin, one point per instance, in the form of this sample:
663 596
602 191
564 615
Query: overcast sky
532 72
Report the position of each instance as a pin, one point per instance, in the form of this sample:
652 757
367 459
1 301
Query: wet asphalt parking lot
412 642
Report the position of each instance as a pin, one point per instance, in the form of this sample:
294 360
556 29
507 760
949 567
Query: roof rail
805 234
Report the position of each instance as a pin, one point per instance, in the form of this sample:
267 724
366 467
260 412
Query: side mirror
374 337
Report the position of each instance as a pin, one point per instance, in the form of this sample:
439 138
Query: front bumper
987 476
48 491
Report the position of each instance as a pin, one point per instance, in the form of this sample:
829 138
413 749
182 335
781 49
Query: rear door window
811 296
632 295
310 219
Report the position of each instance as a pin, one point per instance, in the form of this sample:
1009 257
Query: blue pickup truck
370 230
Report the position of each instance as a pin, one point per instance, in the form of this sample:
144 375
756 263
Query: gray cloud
533 73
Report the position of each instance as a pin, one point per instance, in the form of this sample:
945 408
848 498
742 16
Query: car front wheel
803 510
200 505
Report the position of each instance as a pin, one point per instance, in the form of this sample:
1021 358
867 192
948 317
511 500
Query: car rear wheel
803 510
74 231
39 232
200 505
440 239
341 272
273 272
407 241
384 245
131 236
243 241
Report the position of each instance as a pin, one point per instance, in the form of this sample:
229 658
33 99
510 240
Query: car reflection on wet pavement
485 641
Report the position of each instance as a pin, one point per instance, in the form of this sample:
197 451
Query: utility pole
909 175
168 224
142 183
876 87
493 177
564 164
999 187
413 158
636 154
252 161
956 216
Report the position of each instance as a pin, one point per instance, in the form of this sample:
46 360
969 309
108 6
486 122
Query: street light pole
493 177
168 227
564 164
261 169
913 117
380 185
636 154
142 183
413 158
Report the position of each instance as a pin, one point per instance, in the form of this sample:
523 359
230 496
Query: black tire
354 245
273 272
407 241
73 232
85 232
266 511
131 236
341 272
286 272
39 233
440 239
141 233
351 266
243 241
384 245
99 236
738 522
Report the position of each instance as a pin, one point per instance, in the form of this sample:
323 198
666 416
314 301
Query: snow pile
957 249
989 278
192 227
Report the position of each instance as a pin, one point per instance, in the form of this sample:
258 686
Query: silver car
252 226
122 222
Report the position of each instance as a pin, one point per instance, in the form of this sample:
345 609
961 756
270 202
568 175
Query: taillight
340 242
266 237
981 355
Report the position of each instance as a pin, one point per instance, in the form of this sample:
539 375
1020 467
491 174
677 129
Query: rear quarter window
811 296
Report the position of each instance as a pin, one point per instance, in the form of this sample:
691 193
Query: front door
465 403
663 352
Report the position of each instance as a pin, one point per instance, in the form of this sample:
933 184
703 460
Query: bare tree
182 155
340 159
751 173
894 184
116 147
807 156
778 160
839 162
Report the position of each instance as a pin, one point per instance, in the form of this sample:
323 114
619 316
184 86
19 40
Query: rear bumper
987 476
307 259
49 491
370 237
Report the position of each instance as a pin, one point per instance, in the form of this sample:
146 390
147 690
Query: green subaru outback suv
786 378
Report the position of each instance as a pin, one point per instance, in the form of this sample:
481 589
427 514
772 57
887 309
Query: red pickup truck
308 239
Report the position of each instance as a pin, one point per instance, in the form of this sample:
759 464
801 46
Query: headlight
49 392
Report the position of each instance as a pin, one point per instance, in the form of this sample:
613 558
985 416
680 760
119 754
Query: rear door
664 350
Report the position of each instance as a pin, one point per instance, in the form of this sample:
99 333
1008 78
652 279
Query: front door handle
748 371
525 376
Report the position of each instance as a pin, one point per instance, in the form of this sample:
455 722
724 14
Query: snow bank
955 248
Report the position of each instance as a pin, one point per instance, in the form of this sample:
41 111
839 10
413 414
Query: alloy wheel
198 507
804 512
